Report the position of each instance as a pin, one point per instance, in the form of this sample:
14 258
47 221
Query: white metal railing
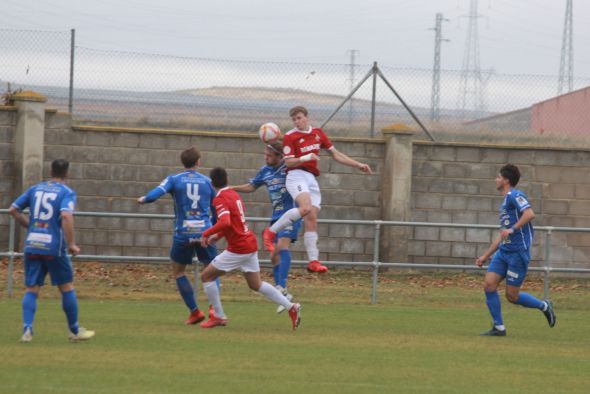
375 263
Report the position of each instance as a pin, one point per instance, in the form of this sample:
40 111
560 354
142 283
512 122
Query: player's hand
480 260
365 168
141 200
506 233
74 249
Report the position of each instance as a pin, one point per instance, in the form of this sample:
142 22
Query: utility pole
435 98
566 64
353 54
471 87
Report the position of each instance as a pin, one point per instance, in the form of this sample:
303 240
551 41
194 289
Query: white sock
310 239
213 295
274 295
288 218
545 306
501 327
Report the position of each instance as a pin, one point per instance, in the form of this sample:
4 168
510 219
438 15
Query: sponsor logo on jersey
310 148
41 238
287 150
521 201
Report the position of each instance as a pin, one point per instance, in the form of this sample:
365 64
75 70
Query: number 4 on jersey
192 192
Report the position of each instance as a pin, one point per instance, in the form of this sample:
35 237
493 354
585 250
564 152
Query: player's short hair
218 177
190 157
510 172
299 109
59 168
276 147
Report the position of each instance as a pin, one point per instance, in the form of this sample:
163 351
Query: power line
566 64
471 93
435 98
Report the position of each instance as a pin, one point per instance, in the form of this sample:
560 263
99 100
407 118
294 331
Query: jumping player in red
241 252
301 148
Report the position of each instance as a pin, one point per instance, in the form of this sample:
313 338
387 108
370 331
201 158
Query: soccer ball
269 132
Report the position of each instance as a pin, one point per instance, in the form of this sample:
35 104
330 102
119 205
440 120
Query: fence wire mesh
140 89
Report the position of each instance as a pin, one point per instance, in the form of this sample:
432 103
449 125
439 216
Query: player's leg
181 254
284 265
310 238
205 257
517 270
224 262
297 186
35 273
251 269
495 275
62 276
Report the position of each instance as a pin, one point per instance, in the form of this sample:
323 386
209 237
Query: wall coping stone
29 95
204 133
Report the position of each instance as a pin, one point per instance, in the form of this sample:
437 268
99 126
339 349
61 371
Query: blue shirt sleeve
520 201
258 180
22 202
163 188
68 203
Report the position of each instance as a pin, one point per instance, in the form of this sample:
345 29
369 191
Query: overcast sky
516 36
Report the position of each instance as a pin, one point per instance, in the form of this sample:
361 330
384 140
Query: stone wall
110 168
455 183
7 167
450 182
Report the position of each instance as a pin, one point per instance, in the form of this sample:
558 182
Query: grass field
421 337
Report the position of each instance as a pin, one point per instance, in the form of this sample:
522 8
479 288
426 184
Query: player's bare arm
141 200
245 188
67 220
296 161
347 161
488 253
527 216
19 216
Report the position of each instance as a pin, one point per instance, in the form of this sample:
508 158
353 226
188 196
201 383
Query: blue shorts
289 231
511 265
183 253
37 266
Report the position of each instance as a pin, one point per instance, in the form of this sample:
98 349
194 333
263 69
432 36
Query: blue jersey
46 201
274 180
192 193
514 204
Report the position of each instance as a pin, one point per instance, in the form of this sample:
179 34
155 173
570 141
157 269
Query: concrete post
29 138
397 189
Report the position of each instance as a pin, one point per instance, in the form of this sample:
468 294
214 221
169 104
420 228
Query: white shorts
228 261
300 181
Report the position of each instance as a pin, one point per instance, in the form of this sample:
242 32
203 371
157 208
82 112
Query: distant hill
270 94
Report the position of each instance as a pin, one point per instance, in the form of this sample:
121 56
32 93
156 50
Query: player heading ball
301 148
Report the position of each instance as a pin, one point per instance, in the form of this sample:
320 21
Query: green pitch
420 338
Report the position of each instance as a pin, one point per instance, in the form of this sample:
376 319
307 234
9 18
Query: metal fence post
373 100
375 263
547 264
72 53
11 237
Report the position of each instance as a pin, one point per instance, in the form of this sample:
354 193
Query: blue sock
284 267
493 302
276 275
69 303
186 291
29 309
528 301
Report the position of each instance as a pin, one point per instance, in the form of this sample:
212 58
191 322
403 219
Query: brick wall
110 169
454 183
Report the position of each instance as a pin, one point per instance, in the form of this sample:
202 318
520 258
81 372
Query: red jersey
299 143
231 223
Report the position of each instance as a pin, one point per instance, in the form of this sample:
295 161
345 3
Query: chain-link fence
139 89
36 60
